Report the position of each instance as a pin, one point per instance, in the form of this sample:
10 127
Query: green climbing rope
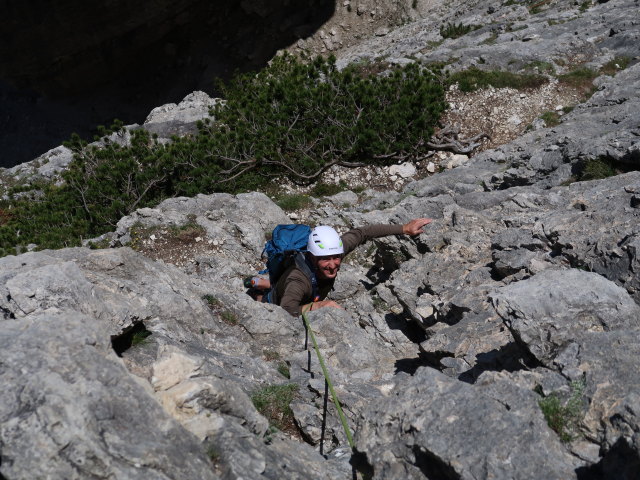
336 402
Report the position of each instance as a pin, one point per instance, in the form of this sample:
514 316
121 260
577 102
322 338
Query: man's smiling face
327 267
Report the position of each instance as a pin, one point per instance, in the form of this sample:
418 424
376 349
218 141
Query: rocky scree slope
523 290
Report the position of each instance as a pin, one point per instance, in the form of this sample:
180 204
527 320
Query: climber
298 291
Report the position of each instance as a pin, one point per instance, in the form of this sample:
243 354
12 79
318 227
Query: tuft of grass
535 6
273 402
551 119
296 201
322 189
212 301
614 66
584 6
270 355
432 44
229 317
474 79
283 369
581 79
214 455
565 418
380 305
452 30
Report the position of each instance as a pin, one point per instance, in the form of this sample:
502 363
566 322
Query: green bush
292 120
311 116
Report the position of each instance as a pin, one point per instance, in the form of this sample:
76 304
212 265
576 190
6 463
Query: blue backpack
288 244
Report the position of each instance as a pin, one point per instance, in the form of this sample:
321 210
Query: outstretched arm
415 226
358 236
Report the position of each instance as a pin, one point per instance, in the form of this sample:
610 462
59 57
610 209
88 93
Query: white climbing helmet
324 241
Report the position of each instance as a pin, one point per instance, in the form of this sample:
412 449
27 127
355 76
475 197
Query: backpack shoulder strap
301 263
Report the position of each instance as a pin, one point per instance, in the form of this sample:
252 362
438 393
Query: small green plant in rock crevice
283 369
228 317
564 418
380 305
551 119
270 355
212 301
273 402
140 338
188 231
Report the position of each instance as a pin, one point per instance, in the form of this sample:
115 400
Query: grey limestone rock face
440 440
551 309
587 331
70 410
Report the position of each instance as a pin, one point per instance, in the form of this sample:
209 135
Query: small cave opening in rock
70 66
135 335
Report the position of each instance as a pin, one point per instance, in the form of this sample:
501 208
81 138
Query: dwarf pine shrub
291 120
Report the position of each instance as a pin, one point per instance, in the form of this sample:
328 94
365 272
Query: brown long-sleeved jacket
294 287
